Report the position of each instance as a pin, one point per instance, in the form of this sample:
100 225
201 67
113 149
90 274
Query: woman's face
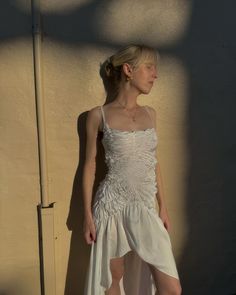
143 77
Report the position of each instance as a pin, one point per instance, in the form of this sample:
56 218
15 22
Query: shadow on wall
208 260
14 286
79 250
208 263
78 26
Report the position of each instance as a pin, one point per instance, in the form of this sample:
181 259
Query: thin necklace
133 117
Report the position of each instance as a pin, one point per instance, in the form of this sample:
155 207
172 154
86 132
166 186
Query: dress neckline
127 131
106 125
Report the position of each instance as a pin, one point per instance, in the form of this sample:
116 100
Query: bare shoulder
95 110
94 117
95 113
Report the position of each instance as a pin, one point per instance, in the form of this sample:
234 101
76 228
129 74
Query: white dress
126 216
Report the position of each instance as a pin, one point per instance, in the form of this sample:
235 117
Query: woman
129 237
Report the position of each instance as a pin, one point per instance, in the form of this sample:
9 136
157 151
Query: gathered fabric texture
125 212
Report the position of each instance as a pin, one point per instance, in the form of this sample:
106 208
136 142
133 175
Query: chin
145 91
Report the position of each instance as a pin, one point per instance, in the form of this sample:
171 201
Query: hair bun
109 68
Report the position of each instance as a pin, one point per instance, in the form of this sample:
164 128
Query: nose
154 74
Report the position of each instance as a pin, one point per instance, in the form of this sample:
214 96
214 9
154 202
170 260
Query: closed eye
150 65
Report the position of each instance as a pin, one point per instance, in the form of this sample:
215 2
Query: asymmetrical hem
125 212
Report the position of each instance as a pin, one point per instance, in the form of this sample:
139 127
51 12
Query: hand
164 217
89 230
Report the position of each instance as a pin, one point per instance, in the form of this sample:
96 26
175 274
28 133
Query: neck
127 98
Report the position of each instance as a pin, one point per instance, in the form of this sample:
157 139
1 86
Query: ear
127 69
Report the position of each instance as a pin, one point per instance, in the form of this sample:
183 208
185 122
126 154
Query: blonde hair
134 55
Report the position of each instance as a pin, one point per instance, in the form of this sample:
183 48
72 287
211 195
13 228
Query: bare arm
89 169
160 194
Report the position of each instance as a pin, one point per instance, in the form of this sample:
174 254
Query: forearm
160 193
87 186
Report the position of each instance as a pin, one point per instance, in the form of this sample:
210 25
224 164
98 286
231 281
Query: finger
93 234
165 225
168 226
88 238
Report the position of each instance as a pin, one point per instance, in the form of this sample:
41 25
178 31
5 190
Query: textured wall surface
19 172
195 101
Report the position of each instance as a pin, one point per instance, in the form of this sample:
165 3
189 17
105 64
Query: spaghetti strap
103 116
125 215
149 115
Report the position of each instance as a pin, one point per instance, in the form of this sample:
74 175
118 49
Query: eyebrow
151 63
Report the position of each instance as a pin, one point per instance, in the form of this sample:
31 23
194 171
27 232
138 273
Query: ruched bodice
131 160
133 150
125 212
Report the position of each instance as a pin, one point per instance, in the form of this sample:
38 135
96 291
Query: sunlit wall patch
154 22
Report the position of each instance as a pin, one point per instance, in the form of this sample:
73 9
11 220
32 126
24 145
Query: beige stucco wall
78 35
73 86
19 254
